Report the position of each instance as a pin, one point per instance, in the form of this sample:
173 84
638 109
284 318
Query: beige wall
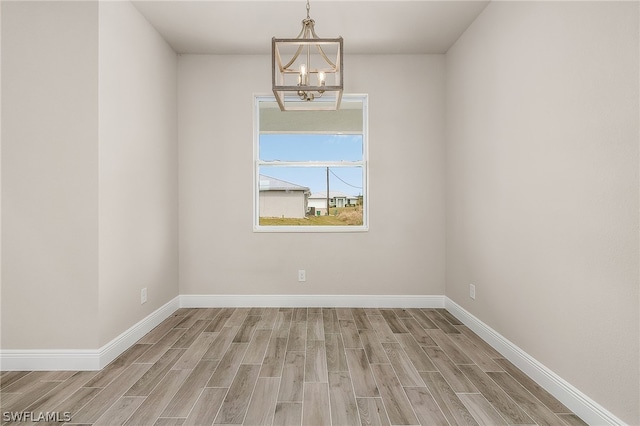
282 204
49 175
138 236
542 187
401 254
89 185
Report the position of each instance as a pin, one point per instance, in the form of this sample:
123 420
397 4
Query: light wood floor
302 366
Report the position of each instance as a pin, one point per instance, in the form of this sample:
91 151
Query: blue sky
296 147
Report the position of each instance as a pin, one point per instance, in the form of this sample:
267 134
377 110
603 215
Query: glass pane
310 147
298 196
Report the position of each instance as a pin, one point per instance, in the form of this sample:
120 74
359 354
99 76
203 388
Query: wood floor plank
188 394
393 396
219 321
330 321
448 316
350 335
404 368
169 421
77 400
160 330
479 357
117 366
299 315
425 406
402 313
382 329
481 409
155 352
511 412
235 404
529 403
372 347
257 347
155 374
344 410
191 334
155 403
30 396
451 373
58 394
344 314
228 366
193 354
188 319
440 321
364 384
315 327
541 394
268 318
288 414
372 412
418 333
315 366
316 404
394 322
361 320
9 377
283 324
246 329
221 344
572 420
119 412
490 351
274 357
336 358
237 317
263 402
449 347
206 407
452 408
291 383
110 394
422 319
297 336
414 351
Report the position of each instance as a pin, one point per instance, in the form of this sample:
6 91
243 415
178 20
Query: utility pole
327 191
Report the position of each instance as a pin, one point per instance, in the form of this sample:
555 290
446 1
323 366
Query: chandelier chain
308 8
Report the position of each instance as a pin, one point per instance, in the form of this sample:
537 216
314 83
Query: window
310 171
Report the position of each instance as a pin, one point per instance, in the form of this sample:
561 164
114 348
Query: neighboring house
318 200
279 198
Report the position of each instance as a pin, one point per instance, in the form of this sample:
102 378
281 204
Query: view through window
311 168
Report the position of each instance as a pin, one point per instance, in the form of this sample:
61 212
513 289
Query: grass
343 216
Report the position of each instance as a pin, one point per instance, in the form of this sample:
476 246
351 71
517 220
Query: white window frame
333 164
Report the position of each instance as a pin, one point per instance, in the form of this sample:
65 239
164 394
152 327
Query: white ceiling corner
368 27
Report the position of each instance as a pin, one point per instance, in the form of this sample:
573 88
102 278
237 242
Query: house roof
268 183
332 194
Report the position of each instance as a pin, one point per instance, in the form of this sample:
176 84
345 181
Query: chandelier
307 70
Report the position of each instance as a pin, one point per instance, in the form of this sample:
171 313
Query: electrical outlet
143 296
472 291
302 275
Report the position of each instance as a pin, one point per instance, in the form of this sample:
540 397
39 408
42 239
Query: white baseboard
84 359
309 300
583 406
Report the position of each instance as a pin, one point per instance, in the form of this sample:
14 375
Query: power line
341 180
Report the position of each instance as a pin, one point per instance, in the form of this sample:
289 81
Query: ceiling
368 27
